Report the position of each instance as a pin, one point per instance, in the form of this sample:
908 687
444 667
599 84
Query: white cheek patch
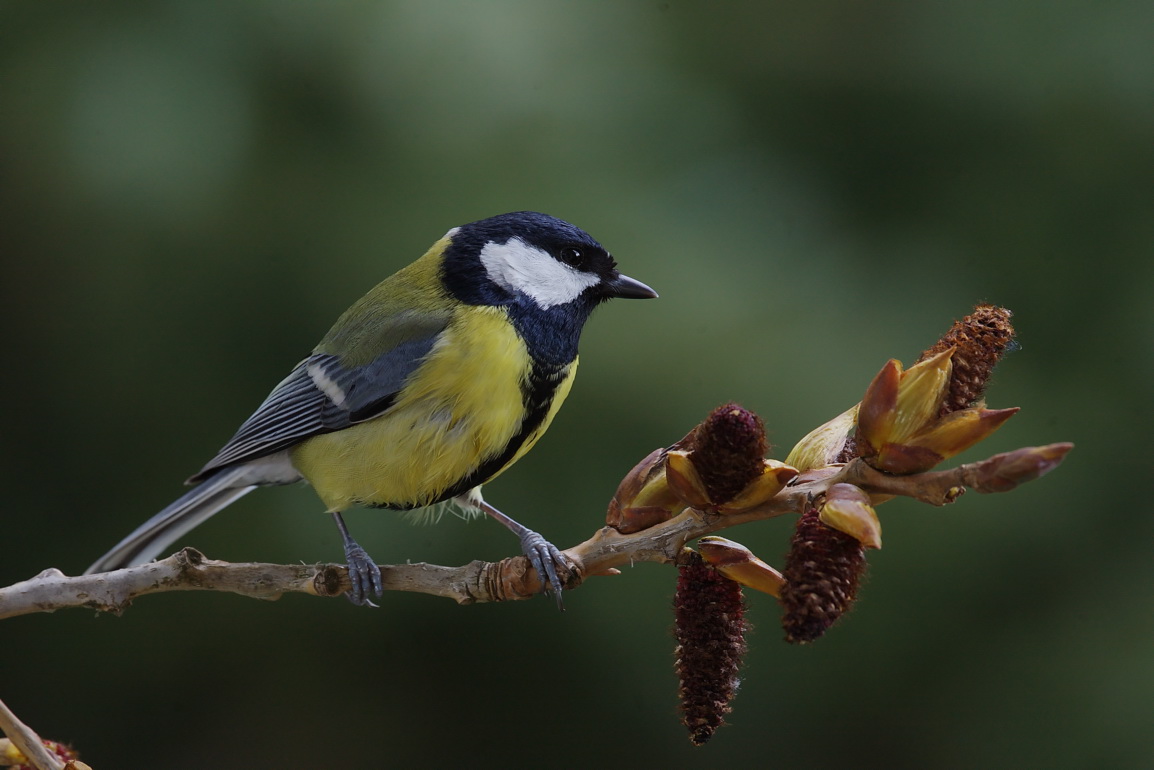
517 266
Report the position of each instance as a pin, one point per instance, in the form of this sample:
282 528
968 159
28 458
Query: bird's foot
552 565
364 574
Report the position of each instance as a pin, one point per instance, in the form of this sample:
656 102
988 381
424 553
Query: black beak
627 288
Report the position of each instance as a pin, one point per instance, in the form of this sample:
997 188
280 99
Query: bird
427 387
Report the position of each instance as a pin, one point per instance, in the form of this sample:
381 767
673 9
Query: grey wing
321 395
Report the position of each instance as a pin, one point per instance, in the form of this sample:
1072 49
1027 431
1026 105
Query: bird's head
526 257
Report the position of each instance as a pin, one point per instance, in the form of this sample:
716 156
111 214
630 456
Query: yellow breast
460 409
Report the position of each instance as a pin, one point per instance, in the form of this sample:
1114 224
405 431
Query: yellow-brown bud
644 498
900 424
736 562
824 444
849 509
1005 471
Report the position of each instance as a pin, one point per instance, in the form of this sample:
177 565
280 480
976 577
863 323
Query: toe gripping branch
554 568
364 574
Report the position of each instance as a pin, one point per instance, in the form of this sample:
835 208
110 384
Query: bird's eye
572 256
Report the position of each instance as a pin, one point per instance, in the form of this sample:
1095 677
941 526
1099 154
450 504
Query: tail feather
148 540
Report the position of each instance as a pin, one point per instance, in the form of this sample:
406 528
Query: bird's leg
363 571
545 557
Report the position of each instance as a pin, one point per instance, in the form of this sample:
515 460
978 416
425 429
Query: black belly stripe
537 394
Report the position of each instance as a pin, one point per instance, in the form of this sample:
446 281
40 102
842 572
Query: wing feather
321 395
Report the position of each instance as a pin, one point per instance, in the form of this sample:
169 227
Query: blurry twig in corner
24 748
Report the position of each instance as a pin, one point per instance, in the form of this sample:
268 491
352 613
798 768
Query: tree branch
511 578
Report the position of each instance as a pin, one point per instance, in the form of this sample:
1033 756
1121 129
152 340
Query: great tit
430 385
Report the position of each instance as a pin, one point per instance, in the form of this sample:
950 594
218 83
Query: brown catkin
710 626
980 339
849 450
729 448
822 573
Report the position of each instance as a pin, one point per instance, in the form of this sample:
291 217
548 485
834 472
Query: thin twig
27 741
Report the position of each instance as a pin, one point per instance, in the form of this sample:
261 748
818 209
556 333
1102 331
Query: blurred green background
192 192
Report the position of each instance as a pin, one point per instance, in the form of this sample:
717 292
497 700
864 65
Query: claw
365 576
546 558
